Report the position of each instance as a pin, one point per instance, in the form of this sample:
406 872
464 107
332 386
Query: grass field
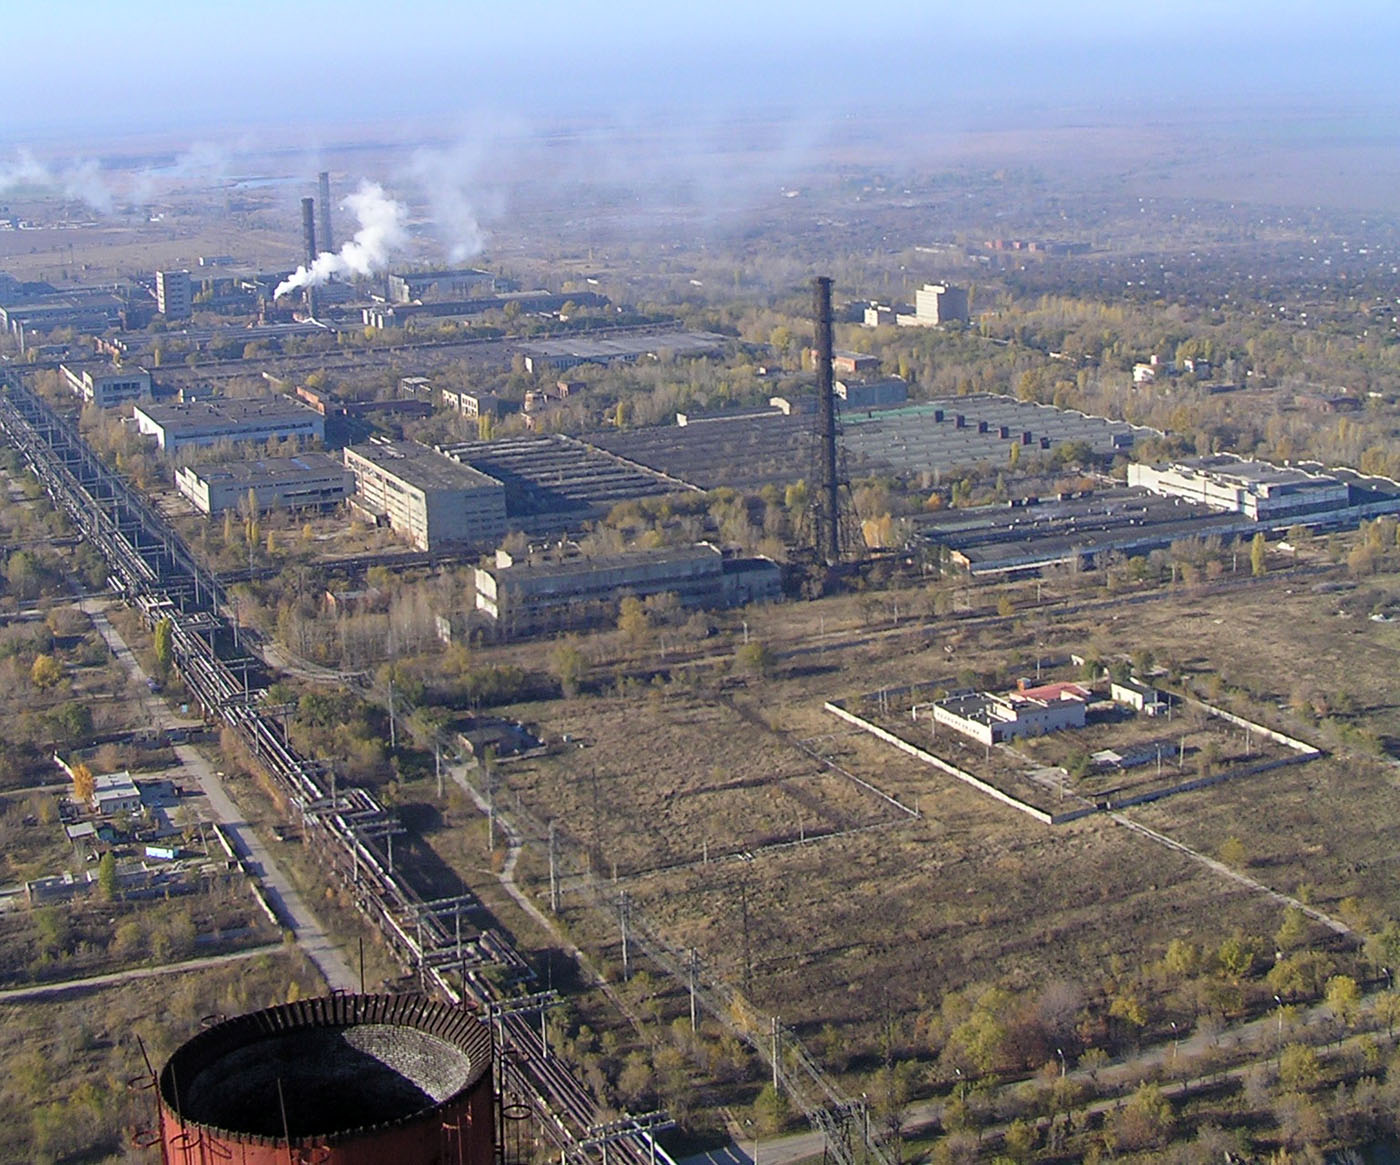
852 928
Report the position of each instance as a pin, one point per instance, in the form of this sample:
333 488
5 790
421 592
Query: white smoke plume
382 234
450 181
81 180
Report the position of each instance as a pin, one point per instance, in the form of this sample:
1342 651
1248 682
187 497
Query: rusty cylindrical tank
340 1080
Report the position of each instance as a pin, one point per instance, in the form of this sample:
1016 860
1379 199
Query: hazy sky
84 68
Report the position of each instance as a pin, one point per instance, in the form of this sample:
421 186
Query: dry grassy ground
65 1062
849 928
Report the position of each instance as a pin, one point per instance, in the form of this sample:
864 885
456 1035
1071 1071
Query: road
68 986
281 894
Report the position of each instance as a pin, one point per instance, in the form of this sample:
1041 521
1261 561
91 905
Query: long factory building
527 596
178 425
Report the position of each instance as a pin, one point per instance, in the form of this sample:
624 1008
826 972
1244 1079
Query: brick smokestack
308 228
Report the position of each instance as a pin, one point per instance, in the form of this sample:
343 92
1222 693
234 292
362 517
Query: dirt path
282 895
92 982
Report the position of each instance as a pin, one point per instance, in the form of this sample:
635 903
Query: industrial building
746 450
343 1079
934 304
114 793
556 483
528 596
864 394
407 286
310 479
173 299
473 404
107 386
624 349
90 310
425 495
178 425
990 718
1260 491
1071 529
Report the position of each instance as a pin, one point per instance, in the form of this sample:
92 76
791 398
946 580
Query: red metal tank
340 1080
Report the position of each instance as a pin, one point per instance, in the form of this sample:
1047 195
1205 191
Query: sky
90 70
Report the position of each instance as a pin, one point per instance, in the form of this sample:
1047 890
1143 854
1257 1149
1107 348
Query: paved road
70 986
281 894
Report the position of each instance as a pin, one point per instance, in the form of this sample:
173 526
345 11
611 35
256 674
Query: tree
569 666
632 620
1146 1120
46 672
164 644
107 877
1343 998
1258 549
83 784
753 658
1299 1069
1232 852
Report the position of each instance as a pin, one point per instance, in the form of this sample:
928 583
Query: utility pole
773 1030
624 908
553 872
437 764
393 729
744 907
692 989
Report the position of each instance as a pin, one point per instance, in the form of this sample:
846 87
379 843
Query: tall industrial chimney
828 501
325 196
308 228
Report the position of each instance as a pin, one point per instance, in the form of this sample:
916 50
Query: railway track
439 941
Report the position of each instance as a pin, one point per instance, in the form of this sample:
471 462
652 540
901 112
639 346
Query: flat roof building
527 596
934 304
861 394
310 479
990 718
176 426
1260 491
114 793
425 495
406 286
618 349
173 299
107 386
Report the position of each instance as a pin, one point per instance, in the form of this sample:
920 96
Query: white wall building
207 422
310 479
426 495
107 387
173 298
990 718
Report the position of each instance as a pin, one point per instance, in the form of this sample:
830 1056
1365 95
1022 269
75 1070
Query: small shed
1137 695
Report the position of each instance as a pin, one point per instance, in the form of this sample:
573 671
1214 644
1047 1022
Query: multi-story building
178 425
173 299
425 495
526 596
407 286
106 387
310 479
934 304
